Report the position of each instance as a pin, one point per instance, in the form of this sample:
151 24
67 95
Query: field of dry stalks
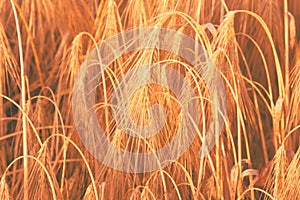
254 44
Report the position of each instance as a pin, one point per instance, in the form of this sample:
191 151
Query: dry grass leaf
235 181
277 116
292 30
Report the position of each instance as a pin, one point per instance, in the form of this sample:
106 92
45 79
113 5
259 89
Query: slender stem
286 59
23 103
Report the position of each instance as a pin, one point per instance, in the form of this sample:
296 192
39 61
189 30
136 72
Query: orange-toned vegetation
254 44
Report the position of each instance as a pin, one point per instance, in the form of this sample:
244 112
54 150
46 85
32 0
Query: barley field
254 46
